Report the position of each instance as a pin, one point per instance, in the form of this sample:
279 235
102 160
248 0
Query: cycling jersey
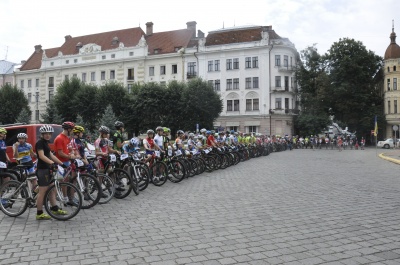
61 143
159 140
117 138
3 150
191 144
128 148
102 144
24 152
78 145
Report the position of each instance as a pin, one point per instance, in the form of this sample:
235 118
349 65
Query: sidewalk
392 155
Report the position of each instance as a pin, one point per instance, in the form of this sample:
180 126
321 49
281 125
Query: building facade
252 68
391 87
7 72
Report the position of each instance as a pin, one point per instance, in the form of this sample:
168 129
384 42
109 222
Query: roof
35 60
239 34
168 41
6 67
393 50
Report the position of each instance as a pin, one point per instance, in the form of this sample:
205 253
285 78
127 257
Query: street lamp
270 122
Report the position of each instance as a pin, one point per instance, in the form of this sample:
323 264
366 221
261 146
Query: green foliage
24 116
112 93
87 106
310 124
108 119
66 97
51 115
13 100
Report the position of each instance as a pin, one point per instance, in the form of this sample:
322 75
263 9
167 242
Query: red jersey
210 140
61 143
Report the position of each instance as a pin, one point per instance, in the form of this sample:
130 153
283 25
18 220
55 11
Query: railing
191 75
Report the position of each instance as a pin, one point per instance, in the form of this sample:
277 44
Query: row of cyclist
71 178
316 142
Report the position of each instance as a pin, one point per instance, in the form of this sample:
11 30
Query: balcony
286 111
191 75
286 68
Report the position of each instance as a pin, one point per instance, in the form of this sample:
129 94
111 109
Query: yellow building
391 88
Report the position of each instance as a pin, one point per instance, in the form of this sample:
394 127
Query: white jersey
159 140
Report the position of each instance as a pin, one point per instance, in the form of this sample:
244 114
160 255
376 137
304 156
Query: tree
112 93
24 116
108 119
85 101
13 100
66 97
51 115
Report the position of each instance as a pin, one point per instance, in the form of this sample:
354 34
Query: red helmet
68 125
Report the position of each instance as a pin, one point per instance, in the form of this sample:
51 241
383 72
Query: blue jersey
3 151
24 152
129 148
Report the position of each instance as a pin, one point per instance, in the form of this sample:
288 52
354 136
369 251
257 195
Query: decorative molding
89 48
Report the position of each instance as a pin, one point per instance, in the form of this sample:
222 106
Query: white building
251 67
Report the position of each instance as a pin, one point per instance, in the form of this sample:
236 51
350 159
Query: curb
393 160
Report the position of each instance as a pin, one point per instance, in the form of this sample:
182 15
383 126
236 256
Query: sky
26 23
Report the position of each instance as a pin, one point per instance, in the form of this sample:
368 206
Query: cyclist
103 147
46 161
178 141
62 145
166 142
159 138
117 139
23 151
4 159
150 145
78 144
131 146
210 139
191 142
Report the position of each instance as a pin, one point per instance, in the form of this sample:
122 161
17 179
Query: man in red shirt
210 139
62 143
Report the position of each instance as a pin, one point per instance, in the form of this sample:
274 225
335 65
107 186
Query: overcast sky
26 23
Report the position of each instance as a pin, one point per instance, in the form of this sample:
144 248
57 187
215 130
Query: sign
395 127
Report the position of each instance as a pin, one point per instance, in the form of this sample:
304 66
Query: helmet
46 129
232 131
22 135
68 125
208 132
166 129
78 129
3 131
191 134
134 141
118 124
216 134
180 132
203 130
159 128
104 129
150 131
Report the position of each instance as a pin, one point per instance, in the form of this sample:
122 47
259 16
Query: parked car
32 130
388 143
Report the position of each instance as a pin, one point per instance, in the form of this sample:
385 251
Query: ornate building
391 87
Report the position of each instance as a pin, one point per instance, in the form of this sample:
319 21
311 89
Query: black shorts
44 177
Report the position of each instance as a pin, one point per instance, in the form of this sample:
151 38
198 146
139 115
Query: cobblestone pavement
299 207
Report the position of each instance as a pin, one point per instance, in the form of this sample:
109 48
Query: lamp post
270 122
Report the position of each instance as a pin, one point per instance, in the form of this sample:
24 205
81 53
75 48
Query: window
217 85
112 74
235 83
22 83
131 53
248 82
232 105
211 83
277 60
277 81
286 83
103 75
229 106
233 128
388 69
228 84
66 61
130 88
162 70
192 68
37 97
394 68
395 106
112 55
29 83
389 107
278 103
66 77
51 81
75 60
29 97
247 62
286 103
252 129
93 76
51 95
252 104
151 71
388 84
216 65
103 57
37 114
131 74
236 105
255 82
37 82
210 66
174 68
228 64
52 64
236 63
394 83
156 51
291 83
255 104
83 77
285 61
255 62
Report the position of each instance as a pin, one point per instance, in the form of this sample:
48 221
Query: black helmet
118 124
104 129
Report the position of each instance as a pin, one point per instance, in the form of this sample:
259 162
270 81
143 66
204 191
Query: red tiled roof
167 41
393 50
35 61
238 35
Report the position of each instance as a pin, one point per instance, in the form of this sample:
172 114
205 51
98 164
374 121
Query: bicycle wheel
14 198
91 190
107 188
56 194
194 167
142 174
159 173
176 171
4 175
122 182
202 164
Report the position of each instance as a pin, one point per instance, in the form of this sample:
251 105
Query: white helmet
46 129
191 135
203 130
134 141
22 135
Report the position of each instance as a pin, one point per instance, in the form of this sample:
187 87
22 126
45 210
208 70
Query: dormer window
177 48
79 45
115 41
157 51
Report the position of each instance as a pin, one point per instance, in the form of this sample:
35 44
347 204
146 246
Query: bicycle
20 196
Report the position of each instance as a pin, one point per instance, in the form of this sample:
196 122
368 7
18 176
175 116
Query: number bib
113 158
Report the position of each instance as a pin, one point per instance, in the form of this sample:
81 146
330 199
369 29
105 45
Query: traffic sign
395 127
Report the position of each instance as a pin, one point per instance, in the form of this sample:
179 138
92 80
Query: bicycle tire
123 181
107 188
92 190
176 171
61 202
160 169
143 177
7 175
12 198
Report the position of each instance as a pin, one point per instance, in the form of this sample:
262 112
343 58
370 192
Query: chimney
200 34
38 48
67 37
192 26
149 28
